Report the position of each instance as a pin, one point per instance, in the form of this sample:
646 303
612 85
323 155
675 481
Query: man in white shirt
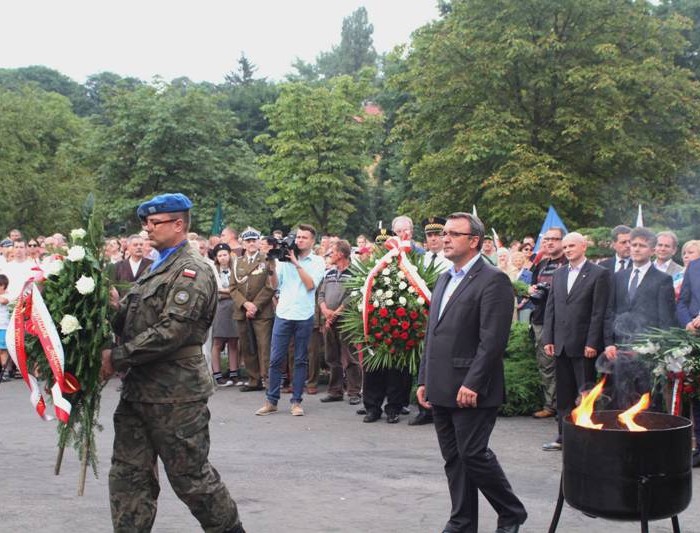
621 245
127 271
19 270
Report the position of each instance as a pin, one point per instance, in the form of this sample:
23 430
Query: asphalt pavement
324 472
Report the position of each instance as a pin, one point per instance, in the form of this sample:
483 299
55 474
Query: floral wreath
389 305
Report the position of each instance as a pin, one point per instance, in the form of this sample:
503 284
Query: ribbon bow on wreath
31 315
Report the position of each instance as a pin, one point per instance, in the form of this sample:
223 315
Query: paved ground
322 473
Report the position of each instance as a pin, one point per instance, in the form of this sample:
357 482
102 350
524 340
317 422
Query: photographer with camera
542 274
296 272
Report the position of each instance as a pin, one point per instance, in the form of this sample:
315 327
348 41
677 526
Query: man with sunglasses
161 324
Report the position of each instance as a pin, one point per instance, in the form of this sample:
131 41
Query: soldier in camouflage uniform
162 323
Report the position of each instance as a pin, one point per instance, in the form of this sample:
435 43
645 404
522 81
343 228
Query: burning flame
582 414
627 417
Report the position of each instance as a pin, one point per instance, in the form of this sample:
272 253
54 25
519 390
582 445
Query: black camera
540 295
283 247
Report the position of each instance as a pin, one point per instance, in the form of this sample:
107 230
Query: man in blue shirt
297 280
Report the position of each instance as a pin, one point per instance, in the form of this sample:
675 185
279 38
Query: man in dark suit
461 376
573 325
621 245
127 271
641 297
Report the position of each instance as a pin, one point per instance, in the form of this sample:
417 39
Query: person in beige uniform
252 294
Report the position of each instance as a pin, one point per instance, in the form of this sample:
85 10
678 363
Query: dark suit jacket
609 263
465 346
575 319
689 300
122 276
653 306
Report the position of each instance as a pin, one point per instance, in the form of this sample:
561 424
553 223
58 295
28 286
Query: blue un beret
164 203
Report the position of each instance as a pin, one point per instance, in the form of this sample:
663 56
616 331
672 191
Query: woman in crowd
224 330
689 252
520 273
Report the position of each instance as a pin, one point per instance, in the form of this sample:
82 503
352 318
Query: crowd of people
278 308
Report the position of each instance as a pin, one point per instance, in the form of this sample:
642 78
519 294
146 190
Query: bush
523 388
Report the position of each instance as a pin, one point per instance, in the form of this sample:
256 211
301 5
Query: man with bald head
574 319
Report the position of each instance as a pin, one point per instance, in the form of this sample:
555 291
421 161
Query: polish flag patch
189 273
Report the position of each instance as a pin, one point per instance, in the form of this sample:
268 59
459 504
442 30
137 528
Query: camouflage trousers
178 433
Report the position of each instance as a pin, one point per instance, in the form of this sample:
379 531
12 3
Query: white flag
640 221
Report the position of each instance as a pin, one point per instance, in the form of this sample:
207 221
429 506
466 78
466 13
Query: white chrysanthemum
77 234
674 364
76 253
402 300
360 307
403 285
54 268
354 293
375 303
387 281
400 274
386 272
420 300
389 303
69 324
85 285
379 292
389 294
647 349
411 290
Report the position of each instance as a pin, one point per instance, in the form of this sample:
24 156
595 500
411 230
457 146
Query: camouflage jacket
162 323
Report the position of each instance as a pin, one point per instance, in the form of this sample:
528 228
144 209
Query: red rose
421 335
413 315
417 325
370 308
374 321
400 312
393 321
386 328
383 312
405 325
393 350
404 335
425 312
378 336
388 341
410 344
395 333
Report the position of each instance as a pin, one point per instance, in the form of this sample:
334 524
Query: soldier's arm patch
182 297
188 273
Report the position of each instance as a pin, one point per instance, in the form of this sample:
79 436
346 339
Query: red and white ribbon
677 394
397 250
31 315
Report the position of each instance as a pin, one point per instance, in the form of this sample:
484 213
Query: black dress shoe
421 419
361 411
250 388
371 417
329 398
509 529
354 400
392 419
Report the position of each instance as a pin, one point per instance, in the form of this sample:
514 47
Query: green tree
44 173
516 104
356 49
318 152
166 139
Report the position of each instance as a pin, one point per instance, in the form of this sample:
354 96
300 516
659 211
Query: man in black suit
461 376
641 297
573 325
621 245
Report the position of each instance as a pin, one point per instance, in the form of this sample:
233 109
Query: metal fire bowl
613 472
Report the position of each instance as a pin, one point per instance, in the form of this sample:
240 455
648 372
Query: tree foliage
317 152
169 139
355 51
517 104
42 164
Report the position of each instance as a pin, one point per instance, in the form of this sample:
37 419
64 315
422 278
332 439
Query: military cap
6 243
383 235
219 247
164 203
434 224
250 233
